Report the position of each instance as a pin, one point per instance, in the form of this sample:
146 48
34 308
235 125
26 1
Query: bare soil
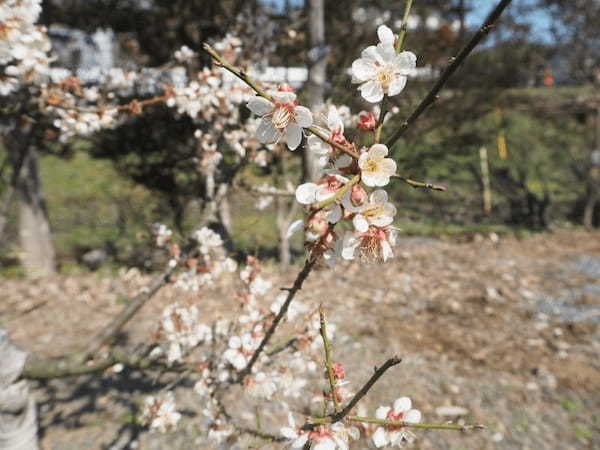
507 329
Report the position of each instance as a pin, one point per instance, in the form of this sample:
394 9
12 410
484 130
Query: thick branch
456 62
126 315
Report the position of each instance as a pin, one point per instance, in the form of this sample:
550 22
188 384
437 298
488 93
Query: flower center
385 76
373 211
282 115
371 165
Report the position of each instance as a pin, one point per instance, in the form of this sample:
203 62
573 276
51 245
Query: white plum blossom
374 244
184 54
162 233
181 330
323 189
323 437
375 168
240 349
281 117
376 211
380 70
207 240
395 435
335 132
159 412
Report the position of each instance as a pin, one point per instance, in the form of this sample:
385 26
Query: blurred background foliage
529 96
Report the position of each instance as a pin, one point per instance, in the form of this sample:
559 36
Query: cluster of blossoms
208 262
349 190
159 412
24 46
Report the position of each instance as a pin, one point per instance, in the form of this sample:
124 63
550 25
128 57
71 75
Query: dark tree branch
432 96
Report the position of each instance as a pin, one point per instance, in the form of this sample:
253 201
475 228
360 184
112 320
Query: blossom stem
328 358
261 92
432 96
403 27
338 194
427 426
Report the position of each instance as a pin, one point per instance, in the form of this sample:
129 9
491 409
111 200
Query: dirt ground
507 330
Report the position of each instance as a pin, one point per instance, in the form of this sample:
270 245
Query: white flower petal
334 122
363 69
267 133
379 196
294 136
260 106
303 115
397 85
306 193
385 35
360 223
334 214
406 62
378 151
300 441
288 433
294 228
380 437
349 245
402 405
371 91
387 52
413 416
382 412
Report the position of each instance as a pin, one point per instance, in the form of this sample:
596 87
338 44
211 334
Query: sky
539 19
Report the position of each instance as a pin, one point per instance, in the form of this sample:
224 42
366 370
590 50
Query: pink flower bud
338 371
358 195
367 121
317 224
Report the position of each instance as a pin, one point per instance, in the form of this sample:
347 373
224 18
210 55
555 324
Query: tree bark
37 250
317 73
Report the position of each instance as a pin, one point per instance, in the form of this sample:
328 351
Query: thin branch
432 96
328 358
403 27
302 275
427 426
336 417
419 184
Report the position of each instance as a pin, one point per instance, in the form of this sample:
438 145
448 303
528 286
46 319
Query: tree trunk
18 423
317 73
37 250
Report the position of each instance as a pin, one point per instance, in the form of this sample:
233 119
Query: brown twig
302 275
337 416
432 96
